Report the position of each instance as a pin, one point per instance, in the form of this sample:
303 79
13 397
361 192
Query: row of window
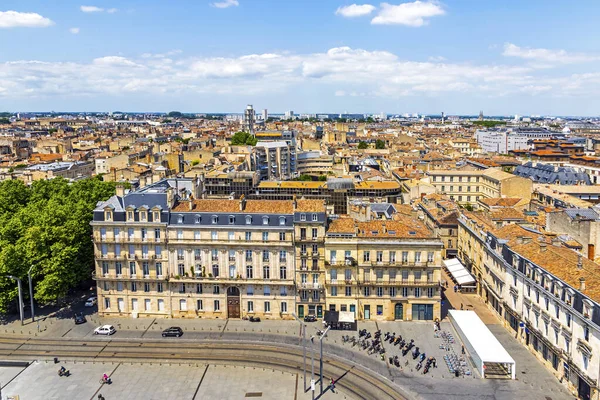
215 270
379 273
458 178
183 288
380 291
391 256
183 305
214 219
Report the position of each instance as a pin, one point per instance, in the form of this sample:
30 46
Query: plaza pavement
151 382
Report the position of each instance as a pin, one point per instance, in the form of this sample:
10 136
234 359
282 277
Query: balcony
310 285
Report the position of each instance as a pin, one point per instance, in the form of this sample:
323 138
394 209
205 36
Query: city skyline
409 57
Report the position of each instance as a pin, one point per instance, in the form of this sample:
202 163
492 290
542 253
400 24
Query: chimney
519 239
527 239
242 202
543 246
579 261
191 202
582 284
295 202
120 190
556 241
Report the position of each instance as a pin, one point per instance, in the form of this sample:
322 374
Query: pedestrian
463 349
461 306
455 288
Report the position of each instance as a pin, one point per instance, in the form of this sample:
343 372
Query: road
357 381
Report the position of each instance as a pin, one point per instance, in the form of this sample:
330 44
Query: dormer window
231 220
265 220
281 220
302 217
108 215
198 219
248 220
130 216
156 216
588 308
143 215
215 219
180 219
314 217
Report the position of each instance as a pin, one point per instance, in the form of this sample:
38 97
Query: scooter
422 357
64 372
418 366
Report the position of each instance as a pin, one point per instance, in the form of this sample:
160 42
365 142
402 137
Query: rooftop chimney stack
582 284
579 261
242 202
120 190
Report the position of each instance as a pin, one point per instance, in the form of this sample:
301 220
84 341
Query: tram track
358 381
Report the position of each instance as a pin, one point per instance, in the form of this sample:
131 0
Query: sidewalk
470 301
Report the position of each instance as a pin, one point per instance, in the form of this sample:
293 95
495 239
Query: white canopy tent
458 271
481 344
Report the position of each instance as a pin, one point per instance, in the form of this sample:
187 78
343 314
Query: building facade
383 270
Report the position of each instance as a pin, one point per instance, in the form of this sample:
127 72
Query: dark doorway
398 311
233 302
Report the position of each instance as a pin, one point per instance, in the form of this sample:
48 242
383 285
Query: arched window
248 220
281 220
265 220
215 219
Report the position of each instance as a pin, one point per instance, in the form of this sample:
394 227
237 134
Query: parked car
173 331
91 302
310 318
105 330
79 319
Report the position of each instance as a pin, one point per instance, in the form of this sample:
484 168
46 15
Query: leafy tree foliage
47 225
379 144
363 145
243 138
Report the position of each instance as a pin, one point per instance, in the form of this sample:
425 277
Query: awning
458 271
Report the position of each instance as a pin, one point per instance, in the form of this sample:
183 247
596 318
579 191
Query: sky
504 57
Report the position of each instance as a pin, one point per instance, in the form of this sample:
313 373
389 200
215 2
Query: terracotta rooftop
562 263
403 227
501 201
233 206
507 213
310 205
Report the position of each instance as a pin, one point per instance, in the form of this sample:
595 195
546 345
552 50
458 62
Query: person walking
463 349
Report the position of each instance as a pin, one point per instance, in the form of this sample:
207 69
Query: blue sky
458 56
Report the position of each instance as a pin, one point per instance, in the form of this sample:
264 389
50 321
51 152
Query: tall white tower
248 125
265 115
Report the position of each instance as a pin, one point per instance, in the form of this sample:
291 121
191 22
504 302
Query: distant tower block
249 119
481 115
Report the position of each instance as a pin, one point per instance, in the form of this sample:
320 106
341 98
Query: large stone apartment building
469 186
162 252
545 293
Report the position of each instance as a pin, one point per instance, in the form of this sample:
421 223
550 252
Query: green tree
322 178
4 121
47 225
379 144
175 114
362 145
243 138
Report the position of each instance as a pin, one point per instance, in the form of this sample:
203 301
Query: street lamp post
31 294
321 359
303 326
20 296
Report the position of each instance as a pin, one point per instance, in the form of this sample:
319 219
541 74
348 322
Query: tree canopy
489 124
362 145
379 144
243 138
47 226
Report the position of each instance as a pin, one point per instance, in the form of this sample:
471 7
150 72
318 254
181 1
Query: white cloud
14 19
91 9
112 10
226 3
410 14
355 10
546 57
437 59
342 71
74 31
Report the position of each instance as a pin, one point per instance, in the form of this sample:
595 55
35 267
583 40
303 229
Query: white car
105 330
91 302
